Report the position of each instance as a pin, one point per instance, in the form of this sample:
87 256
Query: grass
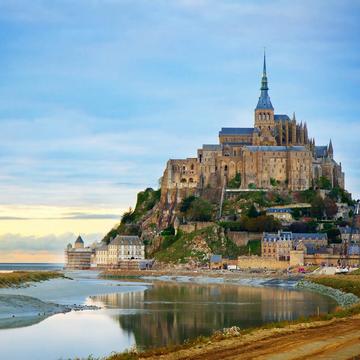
18 278
349 283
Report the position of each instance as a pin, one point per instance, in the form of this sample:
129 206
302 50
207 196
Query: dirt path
338 339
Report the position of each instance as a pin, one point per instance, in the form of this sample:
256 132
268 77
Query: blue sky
96 95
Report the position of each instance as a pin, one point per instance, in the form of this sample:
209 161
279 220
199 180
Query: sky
96 95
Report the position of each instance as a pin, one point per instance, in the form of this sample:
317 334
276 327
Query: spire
330 149
264 102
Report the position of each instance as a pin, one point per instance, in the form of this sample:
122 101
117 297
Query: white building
123 247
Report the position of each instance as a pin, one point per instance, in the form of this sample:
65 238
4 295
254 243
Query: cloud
50 243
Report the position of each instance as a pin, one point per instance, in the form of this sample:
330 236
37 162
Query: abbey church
276 152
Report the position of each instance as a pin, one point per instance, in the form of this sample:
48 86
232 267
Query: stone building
282 214
123 247
78 257
279 245
276 152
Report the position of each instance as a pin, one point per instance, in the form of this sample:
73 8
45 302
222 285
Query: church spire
330 150
264 102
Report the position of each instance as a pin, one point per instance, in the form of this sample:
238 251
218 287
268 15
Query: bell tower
264 111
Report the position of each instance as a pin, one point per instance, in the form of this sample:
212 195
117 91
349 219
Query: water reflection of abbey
170 313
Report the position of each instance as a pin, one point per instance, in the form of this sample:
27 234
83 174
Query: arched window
192 167
226 168
191 180
184 167
183 180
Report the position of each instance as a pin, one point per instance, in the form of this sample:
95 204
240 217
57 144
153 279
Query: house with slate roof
279 245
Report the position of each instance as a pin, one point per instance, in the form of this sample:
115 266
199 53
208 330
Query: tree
331 208
235 182
323 183
252 212
317 207
199 210
273 182
186 203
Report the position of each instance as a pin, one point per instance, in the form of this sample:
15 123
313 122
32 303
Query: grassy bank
345 283
18 278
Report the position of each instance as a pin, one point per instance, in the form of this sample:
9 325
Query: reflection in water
169 313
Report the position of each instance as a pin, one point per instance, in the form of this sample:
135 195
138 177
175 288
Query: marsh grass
18 278
349 283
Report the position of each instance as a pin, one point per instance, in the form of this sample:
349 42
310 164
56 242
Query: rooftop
275 148
126 240
236 131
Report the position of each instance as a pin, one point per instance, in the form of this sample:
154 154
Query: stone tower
264 113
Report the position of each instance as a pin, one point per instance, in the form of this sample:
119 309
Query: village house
278 245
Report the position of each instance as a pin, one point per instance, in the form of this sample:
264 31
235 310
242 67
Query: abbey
276 152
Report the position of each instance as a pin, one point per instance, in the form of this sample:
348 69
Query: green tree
199 210
252 212
317 207
235 182
186 203
323 183
331 208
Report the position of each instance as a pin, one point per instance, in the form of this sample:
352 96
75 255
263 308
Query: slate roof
215 258
275 210
79 240
211 147
311 250
288 235
236 131
281 117
354 249
275 148
320 151
126 240
347 230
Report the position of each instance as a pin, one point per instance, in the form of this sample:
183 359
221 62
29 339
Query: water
146 315
31 266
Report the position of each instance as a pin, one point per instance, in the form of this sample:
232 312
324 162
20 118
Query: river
147 314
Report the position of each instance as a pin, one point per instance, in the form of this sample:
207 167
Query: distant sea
31 266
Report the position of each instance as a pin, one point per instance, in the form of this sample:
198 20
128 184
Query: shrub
199 210
235 182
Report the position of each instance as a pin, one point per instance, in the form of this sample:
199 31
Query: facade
276 152
78 257
279 245
122 248
345 234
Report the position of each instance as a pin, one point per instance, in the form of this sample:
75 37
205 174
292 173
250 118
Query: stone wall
241 238
256 262
196 225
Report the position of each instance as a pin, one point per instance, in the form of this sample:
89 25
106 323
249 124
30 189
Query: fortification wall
196 225
241 238
256 262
